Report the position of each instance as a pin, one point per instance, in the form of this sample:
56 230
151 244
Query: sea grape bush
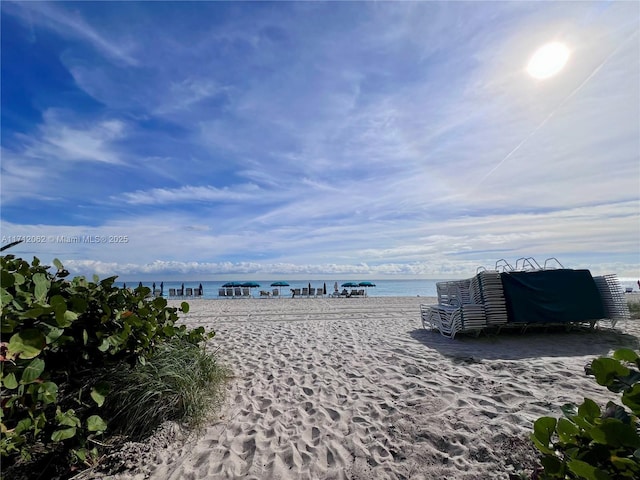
58 335
590 442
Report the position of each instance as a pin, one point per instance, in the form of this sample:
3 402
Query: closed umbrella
154 287
161 288
124 285
324 288
200 289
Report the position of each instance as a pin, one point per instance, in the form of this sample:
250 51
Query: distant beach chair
296 292
312 292
246 292
189 292
275 292
172 292
305 292
157 293
319 292
196 293
229 292
222 292
237 292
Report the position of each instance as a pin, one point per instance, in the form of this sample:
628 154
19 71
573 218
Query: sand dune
356 389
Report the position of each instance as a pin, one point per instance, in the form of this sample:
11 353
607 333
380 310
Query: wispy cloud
70 24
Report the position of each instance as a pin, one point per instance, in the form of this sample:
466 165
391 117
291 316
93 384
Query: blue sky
330 140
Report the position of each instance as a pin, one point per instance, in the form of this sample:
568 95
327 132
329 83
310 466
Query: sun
548 60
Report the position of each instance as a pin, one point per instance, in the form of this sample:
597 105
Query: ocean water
383 288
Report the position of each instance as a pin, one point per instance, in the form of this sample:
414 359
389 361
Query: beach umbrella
250 284
366 284
279 284
232 284
349 285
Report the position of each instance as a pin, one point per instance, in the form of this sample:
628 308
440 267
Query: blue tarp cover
552 296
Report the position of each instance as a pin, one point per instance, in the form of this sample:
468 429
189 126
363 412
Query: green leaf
551 464
625 355
68 418
584 470
99 392
42 284
607 369
541 446
27 343
543 429
104 346
23 425
10 381
52 333
184 306
63 434
33 371
96 424
614 433
624 463
48 392
589 409
631 398
5 297
85 336
70 317
567 430
58 264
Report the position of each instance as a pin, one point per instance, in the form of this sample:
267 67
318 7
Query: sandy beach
357 389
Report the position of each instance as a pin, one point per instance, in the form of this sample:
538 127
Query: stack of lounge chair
468 306
535 296
615 304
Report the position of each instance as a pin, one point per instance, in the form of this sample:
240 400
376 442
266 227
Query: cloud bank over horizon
319 139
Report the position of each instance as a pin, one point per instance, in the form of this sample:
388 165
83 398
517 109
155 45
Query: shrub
592 443
61 333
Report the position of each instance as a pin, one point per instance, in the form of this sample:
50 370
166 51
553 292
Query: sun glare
548 60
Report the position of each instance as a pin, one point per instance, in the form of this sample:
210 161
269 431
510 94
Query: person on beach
293 293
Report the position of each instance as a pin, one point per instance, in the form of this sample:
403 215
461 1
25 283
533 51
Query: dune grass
634 309
182 382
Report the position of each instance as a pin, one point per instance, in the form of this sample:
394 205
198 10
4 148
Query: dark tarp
552 296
